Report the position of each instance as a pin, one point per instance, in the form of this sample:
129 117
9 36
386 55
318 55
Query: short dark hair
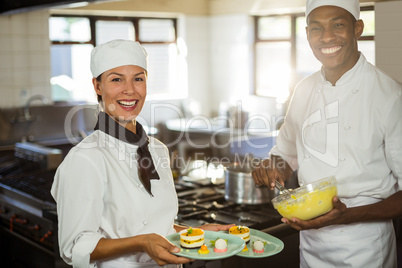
99 96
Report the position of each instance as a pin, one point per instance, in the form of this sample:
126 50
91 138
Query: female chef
115 194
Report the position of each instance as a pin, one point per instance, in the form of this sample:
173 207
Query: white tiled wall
24 57
388 33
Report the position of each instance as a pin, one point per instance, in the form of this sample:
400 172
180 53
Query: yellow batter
309 205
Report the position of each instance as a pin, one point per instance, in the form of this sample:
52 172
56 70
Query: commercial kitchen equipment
28 217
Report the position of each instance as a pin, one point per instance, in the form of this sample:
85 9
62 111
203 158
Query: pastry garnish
203 250
263 242
190 230
213 241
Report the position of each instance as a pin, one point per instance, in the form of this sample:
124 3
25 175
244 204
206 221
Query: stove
201 204
28 218
26 176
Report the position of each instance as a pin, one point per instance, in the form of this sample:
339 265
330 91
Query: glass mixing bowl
308 201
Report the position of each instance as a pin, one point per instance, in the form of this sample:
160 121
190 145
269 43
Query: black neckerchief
146 167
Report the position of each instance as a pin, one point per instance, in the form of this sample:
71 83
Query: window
73 37
283 56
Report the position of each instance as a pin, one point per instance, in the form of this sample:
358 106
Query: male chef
344 120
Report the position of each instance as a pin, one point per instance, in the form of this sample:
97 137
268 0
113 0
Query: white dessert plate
235 245
272 245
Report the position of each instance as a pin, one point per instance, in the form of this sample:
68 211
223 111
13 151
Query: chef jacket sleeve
286 140
78 190
393 137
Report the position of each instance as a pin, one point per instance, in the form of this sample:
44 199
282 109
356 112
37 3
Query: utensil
281 188
241 189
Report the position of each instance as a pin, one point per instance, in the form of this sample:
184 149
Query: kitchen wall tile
20 78
19 43
45 60
6 78
35 60
5 43
6 91
6 62
34 28
39 60
35 15
44 24
4 25
35 43
35 77
18 24
21 60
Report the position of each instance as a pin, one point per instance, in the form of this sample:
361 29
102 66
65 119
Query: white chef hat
117 53
352 6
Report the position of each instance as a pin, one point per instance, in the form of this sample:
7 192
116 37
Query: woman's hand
216 227
160 249
335 216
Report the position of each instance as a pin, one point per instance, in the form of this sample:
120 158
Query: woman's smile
128 105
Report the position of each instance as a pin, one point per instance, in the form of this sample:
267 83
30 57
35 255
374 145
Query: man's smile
330 50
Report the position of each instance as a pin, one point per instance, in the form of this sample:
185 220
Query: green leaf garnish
190 230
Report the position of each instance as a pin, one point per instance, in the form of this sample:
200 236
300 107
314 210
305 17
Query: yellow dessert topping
239 230
193 232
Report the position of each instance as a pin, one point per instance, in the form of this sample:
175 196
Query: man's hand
271 169
335 216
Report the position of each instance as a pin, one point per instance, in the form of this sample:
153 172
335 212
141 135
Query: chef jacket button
145 222
140 186
307 156
318 91
347 127
355 91
342 159
175 217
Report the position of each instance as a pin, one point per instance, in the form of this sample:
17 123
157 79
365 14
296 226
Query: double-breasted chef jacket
99 195
353 131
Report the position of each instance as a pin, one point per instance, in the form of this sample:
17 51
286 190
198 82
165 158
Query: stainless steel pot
241 189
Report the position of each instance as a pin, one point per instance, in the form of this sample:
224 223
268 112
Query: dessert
258 247
220 246
203 250
241 231
192 238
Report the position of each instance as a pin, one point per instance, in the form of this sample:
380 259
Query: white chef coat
351 130
99 195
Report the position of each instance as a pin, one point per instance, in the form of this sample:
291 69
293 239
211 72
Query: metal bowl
308 201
